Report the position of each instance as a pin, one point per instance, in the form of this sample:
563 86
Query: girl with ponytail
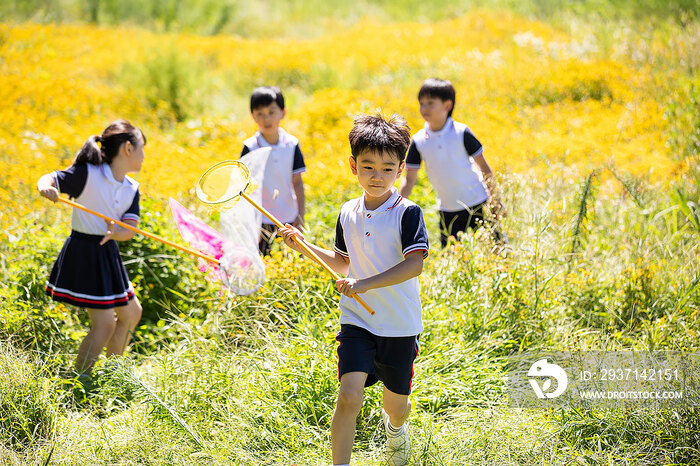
89 272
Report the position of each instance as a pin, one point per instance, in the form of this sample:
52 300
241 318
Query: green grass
608 262
252 380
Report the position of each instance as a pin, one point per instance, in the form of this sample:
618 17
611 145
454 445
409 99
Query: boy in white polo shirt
380 243
455 163
282 186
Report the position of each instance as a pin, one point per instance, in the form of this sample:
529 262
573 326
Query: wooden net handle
141 232
306 249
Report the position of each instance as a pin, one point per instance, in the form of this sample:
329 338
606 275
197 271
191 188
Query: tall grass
253 379
218 379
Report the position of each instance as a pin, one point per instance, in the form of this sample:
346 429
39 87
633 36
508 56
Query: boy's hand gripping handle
306 249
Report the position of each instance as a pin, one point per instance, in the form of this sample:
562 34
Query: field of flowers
594 133
537 96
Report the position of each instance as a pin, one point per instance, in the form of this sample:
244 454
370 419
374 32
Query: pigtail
90 152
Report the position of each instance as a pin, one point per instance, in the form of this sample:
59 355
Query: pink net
241 270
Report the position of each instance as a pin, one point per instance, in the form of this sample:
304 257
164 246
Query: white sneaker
398 444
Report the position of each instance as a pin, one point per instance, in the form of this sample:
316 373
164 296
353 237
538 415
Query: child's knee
350 400
137 311
131 313
397 408
104 326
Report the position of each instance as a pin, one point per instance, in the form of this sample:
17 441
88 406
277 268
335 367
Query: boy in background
380 243
282 186
455 163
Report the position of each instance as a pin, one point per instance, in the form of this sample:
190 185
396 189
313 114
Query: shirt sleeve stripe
342 253
416 247
130 217
412 166
481 149
299 170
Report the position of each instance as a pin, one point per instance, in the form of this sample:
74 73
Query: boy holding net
282 187
380 243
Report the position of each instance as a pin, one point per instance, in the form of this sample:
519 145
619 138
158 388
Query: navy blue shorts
267 236
452 223
385 359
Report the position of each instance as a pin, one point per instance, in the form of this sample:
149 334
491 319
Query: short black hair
438 89
266 95
376 133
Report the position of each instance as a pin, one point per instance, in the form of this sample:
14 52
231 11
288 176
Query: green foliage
682 10
25 313
165 279
634 187
278 17
688 195
172 83
582 216
683 115
671 433
579 89
217 379
27 414
119 378
690 206
205 16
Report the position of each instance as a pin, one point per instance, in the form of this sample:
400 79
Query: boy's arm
485 170
298 185
413 161
340 264
408 182
414 244
410 267
299 167
490 180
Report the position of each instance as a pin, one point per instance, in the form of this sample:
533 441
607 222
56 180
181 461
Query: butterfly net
241 268
235 243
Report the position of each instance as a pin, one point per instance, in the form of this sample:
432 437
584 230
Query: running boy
282 187
454 160
380 243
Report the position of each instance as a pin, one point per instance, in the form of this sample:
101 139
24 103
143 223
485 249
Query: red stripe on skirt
90 301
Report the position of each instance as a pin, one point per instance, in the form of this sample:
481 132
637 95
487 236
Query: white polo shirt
94 187
285 160
375 241
448 156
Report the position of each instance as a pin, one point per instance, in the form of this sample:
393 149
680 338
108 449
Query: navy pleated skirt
88 275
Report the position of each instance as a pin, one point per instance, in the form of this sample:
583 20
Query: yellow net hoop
220 187
240 268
